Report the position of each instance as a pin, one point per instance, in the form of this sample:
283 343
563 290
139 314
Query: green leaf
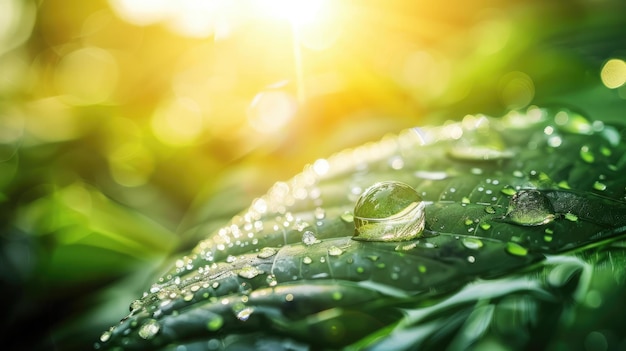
515 225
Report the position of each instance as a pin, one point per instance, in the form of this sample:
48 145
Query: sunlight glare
178 122
271 110
298 12
141 12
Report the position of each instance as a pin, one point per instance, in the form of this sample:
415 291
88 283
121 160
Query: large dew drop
389 211
530 208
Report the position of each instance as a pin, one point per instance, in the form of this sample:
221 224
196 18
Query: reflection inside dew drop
389 211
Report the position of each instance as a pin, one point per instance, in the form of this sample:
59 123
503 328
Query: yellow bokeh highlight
178 122
87 76
613 73
271 110
50 120
131 164
17 18
141 12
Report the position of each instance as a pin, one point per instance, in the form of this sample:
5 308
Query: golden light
298 12
141 12
87 76
178 122
270 111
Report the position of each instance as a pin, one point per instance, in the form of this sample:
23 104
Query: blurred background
129 129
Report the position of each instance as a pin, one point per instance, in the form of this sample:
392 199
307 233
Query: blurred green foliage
116 136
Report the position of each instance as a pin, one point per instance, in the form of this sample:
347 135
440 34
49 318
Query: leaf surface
515 210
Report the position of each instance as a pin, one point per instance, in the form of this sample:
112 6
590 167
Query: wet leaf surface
522 215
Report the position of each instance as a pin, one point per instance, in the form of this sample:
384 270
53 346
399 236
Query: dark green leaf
516 210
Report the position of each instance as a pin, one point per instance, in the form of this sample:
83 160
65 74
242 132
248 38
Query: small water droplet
188 296
245 288
289 297
334 251
571 217
215 323
389 211
319 213
337 295
586 154
267 252
516 249
308 238
468 221
508 191
427 245
407 247
599 186
421 268
563 184
105 336
135 306
547 238
231 259
360 269
490 209
531 208
347 217
465 200
472 243
149 329
249 272
485 226
307 260
471 259
245 313
271 280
